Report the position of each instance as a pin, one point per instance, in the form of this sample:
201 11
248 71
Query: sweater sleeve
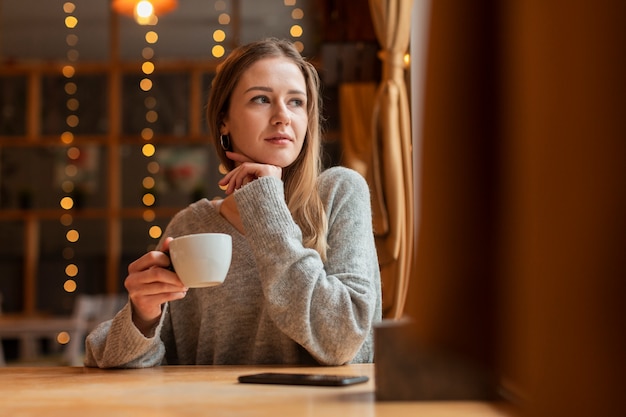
117 343
326 307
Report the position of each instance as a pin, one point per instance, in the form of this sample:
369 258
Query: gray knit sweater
279 304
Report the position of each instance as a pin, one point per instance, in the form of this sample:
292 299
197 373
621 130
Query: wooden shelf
112 142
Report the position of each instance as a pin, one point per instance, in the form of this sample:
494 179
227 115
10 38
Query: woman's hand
246 171
150 285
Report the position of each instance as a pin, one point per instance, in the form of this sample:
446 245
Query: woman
304 284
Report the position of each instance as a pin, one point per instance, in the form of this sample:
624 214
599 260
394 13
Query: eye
260 99
296 102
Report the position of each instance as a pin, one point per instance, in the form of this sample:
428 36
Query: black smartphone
303 379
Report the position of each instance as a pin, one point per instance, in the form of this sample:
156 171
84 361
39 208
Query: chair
88 312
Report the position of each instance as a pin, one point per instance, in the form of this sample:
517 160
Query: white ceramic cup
202 259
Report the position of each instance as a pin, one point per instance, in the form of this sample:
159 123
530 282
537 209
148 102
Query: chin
281 162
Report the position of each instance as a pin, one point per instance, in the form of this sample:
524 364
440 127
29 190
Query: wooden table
204 391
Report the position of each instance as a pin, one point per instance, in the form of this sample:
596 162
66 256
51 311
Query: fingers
237 157
246 173
166 244
149 285
153 281
237 178
150 259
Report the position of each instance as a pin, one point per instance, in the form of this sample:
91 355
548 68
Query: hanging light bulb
144 9
145 12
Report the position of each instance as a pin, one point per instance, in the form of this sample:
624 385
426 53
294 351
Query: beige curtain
358 101
391 152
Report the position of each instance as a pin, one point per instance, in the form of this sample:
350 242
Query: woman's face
267 119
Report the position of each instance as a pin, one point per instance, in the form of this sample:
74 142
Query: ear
224 124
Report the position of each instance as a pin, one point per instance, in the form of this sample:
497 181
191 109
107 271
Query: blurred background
102 134
516 190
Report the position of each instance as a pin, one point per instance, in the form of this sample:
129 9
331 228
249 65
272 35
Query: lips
279 138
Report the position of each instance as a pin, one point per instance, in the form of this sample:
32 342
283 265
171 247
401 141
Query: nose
281 115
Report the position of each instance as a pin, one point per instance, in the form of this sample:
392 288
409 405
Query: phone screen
303 379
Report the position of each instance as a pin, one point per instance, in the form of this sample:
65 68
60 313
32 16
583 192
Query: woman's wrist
145 326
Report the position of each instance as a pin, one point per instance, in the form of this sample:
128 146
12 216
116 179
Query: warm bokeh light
146 84
69 7
72 120
297 14
63 338
148 183
66 219
218 51
67 186
70 285
147 67
299 46
73 104
222 169
155 232
72 55
223 19
148 149
153 167
150 102
71 270
296 31
220 5
70 88
148 199
147 133
71 22
73 153
72 235
71 40
219 35
68 71
152 116
67 203
151 20
147 53
152 37
71 170
149 215
67 137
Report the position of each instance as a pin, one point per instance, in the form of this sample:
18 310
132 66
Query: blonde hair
300 178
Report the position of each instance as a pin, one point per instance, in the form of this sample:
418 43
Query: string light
148 149
296 31
219 35
67 138
72 121
145 13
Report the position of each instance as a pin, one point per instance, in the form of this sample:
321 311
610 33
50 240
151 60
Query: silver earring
225 142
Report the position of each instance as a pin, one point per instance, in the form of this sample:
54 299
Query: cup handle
171 266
